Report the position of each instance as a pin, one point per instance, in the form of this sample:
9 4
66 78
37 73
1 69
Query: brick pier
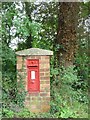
36 101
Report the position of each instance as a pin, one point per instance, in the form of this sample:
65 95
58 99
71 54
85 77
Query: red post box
33 84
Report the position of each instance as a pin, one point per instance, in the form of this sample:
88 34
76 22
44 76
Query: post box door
33 78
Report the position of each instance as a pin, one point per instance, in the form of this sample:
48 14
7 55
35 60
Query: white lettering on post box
32 75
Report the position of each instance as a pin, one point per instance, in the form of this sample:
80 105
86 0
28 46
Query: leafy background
26 25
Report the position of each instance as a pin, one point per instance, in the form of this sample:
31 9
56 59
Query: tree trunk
66 33
28 13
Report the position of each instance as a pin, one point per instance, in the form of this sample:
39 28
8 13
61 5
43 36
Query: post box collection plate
33 84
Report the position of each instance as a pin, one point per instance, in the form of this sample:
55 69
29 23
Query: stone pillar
36 101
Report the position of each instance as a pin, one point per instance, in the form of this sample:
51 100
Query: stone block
45 108
19 66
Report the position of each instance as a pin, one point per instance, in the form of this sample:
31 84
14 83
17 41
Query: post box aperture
33 84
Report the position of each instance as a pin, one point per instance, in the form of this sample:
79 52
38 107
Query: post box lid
34 51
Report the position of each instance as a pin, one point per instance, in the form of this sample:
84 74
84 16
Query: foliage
26 27
11 91
65 97
8 13
69 96
20 92
8 113
8 74
9 86
47 34
24 113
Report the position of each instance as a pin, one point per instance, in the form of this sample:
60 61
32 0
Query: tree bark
28 13
66 32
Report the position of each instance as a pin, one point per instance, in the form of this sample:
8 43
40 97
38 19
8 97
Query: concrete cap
34 51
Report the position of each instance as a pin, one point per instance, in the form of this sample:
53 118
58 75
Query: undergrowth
66 101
